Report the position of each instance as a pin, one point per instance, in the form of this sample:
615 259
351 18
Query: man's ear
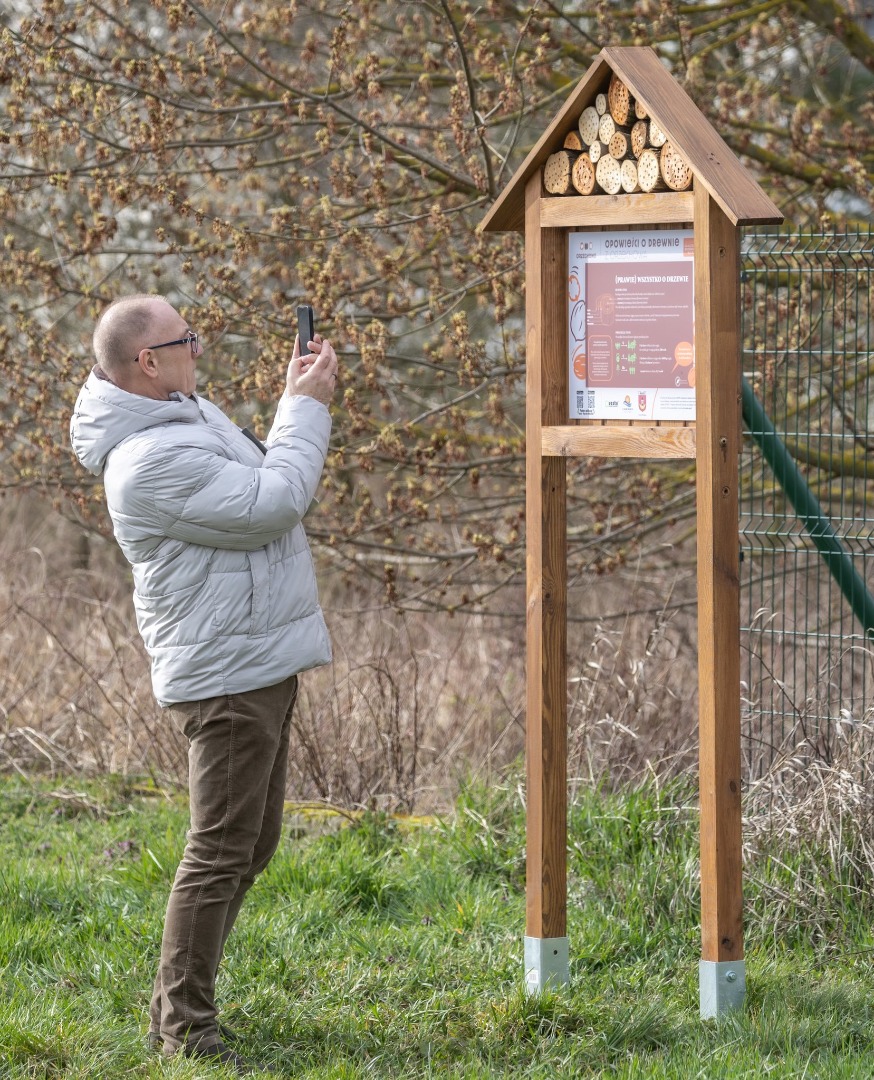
148 363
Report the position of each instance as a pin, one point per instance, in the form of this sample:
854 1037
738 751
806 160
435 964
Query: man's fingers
295 367
326 359
315 373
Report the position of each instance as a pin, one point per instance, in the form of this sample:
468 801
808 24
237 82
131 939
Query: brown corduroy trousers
237 761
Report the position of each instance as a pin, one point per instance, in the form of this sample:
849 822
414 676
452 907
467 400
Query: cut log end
639 138
588 125
557 172
619 145
628 176
657 137
619 100
583 175
572 141
606 128
648 172
674 169
609 175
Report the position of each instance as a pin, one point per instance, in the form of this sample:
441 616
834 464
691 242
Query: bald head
123 329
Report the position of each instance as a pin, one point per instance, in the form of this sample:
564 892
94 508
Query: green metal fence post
808 509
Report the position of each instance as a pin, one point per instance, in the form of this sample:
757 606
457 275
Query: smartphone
305 327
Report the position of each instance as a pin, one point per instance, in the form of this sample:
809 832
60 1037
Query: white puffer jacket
224 587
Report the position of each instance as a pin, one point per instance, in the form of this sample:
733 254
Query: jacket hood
105 415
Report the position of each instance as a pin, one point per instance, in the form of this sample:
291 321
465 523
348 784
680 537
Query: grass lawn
383 948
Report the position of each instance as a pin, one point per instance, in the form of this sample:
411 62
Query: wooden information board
722 198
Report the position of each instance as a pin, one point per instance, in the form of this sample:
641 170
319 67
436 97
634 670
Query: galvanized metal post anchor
722 986
546 964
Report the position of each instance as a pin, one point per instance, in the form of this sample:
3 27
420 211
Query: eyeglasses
189 339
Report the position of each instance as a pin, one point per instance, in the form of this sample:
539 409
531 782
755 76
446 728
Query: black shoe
155 1040
220 1054
228 1035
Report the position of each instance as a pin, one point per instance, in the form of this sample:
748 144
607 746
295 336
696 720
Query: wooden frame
546 561
723 197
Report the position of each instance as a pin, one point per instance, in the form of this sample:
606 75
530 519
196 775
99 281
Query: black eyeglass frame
189 339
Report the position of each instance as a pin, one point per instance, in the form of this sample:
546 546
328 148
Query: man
226 603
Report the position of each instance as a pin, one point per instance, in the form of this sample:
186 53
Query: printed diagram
609 357
577 323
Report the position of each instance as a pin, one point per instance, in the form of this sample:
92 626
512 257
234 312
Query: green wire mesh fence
806 512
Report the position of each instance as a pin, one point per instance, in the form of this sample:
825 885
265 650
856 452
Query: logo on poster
641 401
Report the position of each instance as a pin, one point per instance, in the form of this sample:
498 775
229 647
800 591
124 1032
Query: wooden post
718 400
546 944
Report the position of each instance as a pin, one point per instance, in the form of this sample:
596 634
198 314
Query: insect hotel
631 205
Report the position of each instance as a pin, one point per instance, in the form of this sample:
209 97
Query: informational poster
631 325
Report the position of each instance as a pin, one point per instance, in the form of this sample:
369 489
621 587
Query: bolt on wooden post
631 198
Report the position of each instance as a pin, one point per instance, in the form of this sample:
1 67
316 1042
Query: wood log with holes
583 175
588 125
597 150
628 176
639 137
648 172
572 141
640 112
601 104
657 137
619 146
608 174
619 101
557 172
675 172
606 128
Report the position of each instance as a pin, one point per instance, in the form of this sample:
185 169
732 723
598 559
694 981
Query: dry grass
413 706
633 706
814 820
74 687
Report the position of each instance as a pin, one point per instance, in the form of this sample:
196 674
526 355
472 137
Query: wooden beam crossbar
633 441
668 208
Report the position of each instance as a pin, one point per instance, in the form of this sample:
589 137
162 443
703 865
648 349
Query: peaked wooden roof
712 162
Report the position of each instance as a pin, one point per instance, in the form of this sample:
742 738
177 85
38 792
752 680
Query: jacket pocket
259 567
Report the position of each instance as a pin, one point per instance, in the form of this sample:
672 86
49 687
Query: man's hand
314 373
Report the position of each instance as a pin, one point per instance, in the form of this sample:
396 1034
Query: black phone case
305 327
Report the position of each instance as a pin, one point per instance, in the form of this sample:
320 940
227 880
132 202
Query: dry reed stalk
411 703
